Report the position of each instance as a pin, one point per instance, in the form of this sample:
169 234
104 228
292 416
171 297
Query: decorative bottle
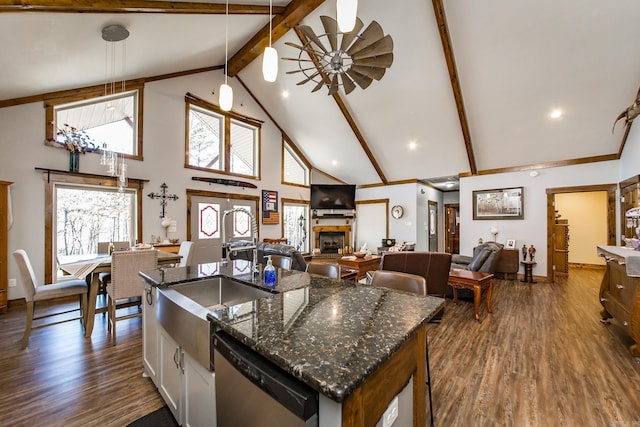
269 273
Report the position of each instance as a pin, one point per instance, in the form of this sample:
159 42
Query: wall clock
397 211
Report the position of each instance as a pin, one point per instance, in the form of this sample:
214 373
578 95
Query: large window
86 215
294 169
219 141
295 224
107 121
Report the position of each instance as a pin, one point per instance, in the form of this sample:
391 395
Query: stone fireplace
330 238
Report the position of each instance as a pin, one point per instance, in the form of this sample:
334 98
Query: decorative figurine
524 252
532 253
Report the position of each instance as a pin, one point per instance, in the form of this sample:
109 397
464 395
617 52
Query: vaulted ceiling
471 87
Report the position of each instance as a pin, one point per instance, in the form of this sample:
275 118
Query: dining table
92 267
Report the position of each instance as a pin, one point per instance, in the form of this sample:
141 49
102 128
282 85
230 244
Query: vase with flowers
76 142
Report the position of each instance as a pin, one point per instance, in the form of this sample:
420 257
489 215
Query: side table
465 279
528 271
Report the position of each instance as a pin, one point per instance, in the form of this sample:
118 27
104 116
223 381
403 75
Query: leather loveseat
433 266
484 260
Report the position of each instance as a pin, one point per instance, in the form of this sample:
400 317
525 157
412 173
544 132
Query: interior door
433 226
452 230
208 230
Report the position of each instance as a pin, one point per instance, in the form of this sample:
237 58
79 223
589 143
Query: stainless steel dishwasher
253 392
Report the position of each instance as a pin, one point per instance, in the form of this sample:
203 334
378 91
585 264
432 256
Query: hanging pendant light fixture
346 14
226 93
270 58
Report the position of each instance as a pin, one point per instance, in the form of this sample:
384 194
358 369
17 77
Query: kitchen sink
182 310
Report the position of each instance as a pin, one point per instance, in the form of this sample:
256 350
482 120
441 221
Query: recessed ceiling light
449 184
556 114
285 93
334 163
412 145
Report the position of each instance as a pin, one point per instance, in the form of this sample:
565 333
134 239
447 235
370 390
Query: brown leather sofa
484 260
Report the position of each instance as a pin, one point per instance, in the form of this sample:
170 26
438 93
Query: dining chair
103 248
327 269
408 283
283 262
34 292
126 283
186 251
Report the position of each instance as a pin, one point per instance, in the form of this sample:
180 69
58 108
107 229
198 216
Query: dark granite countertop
330 334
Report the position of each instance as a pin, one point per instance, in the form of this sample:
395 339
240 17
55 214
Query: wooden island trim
368 402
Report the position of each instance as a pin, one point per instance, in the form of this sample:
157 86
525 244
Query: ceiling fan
350 59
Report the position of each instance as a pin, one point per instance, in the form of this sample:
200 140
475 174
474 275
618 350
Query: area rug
159 418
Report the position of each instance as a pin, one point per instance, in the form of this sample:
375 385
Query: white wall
23 149
533 228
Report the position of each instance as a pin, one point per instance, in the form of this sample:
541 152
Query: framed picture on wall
504 203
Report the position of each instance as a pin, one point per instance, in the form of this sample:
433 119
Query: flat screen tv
328 196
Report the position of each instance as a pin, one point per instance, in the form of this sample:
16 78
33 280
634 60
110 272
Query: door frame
201 193
551 215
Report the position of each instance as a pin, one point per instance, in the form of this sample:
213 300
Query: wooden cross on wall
163 196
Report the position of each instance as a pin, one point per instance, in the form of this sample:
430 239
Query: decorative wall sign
270 214
506 203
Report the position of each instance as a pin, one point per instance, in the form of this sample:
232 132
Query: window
112 121
294 169
221 141
295 223
86 215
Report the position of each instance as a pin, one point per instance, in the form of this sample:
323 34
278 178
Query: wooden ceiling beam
294 12
346 114
134 6
447 47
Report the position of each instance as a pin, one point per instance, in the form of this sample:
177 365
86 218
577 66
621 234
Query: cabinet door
150 355
170 373
200 395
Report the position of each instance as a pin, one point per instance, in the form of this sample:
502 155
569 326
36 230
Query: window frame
307 205
226 144
294 151
86 94
51 179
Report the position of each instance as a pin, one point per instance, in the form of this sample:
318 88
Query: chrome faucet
226 245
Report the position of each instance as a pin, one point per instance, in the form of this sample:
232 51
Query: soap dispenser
269 273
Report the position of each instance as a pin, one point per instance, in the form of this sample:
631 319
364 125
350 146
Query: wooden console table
360 265
465 279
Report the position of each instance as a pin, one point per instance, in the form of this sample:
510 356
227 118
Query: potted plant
76 142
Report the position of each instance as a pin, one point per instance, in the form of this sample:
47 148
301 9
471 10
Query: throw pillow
479 259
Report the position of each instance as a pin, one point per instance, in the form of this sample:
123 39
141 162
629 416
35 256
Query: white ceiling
516 61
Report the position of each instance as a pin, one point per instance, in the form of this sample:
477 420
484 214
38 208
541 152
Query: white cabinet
186 386
150 344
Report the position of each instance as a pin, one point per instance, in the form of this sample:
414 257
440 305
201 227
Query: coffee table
475 281
360 265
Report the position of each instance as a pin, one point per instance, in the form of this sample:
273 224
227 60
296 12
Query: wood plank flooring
541 359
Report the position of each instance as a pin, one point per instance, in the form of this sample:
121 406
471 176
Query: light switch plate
391 414
12 283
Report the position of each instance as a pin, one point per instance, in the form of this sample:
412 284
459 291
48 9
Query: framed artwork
270 214
504 203
511 244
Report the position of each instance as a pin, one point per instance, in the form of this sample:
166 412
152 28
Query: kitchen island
357 345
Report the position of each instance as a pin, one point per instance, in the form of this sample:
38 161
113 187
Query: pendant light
226 93
270 58
346 14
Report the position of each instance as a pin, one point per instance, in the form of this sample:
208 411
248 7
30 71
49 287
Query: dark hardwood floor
541 359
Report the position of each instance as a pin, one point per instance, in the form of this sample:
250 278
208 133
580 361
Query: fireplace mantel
346 229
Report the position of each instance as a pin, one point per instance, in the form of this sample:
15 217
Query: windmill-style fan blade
370 35
362 80
348 84
306 49
318 86
372 72
380 47
347 38
301 70
296 59
331 28
308 32
376 61
333 88
309 78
